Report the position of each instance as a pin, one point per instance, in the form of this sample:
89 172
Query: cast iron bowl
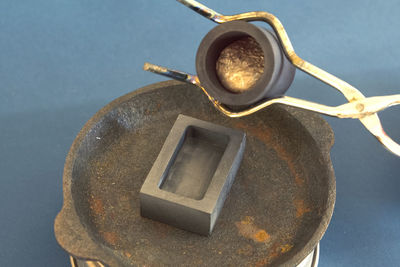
277 211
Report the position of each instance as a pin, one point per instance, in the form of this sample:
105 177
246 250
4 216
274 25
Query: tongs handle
358 109
366 111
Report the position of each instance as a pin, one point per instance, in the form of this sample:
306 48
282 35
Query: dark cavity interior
190 172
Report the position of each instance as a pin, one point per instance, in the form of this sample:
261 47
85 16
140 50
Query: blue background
62 60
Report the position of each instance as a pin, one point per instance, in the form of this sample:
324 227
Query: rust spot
111 238
265 135
261 236
97 206
277 250
260 132
298 180
247 220
247 229
246 251
262 262
301 207
274 251
127 254
285 248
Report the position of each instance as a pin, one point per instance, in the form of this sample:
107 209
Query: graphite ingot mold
192 175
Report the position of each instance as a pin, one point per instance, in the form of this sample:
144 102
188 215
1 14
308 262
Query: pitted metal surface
277 211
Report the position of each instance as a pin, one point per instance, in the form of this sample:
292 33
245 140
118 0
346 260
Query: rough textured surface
240 65
277 211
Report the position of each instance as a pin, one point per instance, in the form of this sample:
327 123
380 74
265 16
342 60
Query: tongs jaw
359 107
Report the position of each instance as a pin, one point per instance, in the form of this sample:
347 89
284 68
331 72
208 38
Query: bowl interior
276 212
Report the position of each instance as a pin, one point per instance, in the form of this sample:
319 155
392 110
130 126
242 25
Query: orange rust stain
301 207
261 236
247 220
274 251
285 248
97 206
260 132
277 250
274 254
111 238
262 262
248 229
298 180
265 134
127 254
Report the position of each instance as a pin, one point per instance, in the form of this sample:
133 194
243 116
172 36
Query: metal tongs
359 107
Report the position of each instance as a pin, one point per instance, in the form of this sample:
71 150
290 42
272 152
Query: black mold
192 175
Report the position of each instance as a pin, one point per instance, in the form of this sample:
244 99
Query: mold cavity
240 65
191 170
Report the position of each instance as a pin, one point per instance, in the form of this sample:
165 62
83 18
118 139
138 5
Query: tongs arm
364 109
356 109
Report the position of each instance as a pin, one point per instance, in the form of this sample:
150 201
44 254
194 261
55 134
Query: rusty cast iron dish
276 213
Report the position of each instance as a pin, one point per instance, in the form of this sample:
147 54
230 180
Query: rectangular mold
192 175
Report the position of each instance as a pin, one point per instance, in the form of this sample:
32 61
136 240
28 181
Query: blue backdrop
62 60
